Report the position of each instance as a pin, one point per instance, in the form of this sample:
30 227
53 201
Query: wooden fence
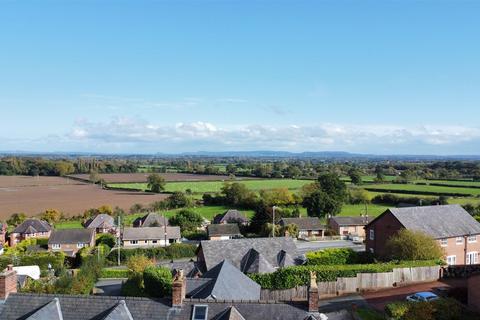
362 282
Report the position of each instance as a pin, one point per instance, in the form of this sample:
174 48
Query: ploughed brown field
142 177
33 195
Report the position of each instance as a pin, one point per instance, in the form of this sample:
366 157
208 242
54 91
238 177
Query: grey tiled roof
230 216
69 236
35 224
225 282
235 250
438 221
119 312
21 305
101 220
151 220
150 233
227 229
50 311
231 314
307 223
350 221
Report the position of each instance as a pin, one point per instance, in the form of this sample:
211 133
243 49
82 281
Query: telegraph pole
273 221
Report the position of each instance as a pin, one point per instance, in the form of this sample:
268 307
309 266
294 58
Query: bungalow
456 231
70 241
230 216
150 220
150 237
223 231
30 228
348 226
102 223
307 227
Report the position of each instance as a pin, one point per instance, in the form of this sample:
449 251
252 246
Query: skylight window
200 312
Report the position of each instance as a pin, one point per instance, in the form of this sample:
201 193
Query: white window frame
56 246
472 239
459 240
80 245
372 234
444 242
450 258
195 309
133 241
475 257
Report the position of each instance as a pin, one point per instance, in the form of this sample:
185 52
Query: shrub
397 310
195 235
157 281
338 256
138 263
291 277
174 251
114 273
43 259
133 287
413 245
106 238
187 220
420 310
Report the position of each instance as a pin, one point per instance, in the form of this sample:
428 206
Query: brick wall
474 292
383 227
8 282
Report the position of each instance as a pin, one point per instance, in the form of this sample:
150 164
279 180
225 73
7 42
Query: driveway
110 287
307 246
379 299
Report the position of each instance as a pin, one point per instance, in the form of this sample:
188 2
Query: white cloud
192 136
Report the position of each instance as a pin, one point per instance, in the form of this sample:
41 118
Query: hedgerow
114 273
174 251
338 256
291 277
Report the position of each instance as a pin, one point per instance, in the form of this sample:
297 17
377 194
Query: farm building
457 232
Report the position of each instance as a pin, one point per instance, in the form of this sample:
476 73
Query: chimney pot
179 289
313 293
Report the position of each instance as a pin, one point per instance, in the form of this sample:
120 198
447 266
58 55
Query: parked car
422 297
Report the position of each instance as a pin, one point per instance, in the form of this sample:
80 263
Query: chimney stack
179 289
313 293
8 282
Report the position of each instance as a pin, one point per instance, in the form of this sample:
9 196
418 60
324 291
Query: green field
369 179
465 183
215 186
424 189
73 224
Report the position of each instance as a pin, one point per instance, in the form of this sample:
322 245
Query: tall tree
327 196
156 183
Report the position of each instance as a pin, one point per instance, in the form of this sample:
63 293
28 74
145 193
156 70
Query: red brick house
30 228
457 232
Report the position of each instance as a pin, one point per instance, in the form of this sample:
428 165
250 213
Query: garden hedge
291 277
114 273
174 251
55 259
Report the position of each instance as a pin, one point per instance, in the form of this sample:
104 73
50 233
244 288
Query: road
307 246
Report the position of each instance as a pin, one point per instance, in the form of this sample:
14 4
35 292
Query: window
459 240
80 245
372 234
154 241
452 260
146 241
443 242
472 239
133 241
56 246
200 312
472 257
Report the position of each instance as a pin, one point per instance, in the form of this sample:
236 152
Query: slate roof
230 216
150 233
151 220
235 250
75 307
225 282
227 229
350 221
33 225
69 236
100 221
437 221
307 223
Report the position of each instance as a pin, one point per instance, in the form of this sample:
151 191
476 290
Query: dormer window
200 312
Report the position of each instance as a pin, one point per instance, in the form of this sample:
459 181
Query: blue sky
384 77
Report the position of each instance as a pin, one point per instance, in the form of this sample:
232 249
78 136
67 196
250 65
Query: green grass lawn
74 224
368 179
465 183
215 186
440 190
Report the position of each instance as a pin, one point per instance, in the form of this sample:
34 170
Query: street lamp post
273 221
